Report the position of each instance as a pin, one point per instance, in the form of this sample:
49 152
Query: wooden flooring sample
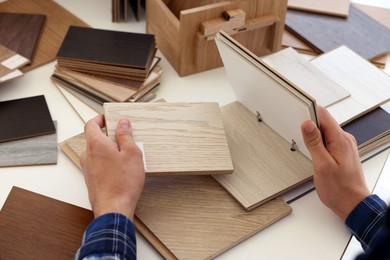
331 7
192 217
264 165
26 117
359 32
295 68
178 138
33 226
40 150
368 85
20 32
57 23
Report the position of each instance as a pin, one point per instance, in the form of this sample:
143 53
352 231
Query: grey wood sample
40 150
358 31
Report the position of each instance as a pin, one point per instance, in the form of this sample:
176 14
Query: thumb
313 140
124 134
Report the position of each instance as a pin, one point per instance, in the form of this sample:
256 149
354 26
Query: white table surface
311 231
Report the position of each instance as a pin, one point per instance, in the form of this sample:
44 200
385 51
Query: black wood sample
135 50
358 31
369 126
25 117
20 32
33 226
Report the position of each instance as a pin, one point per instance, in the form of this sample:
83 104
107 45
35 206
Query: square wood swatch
40 150
264 165
20 32
368 85
178 138
207 218
33 226
306 76
57 23
358 31
330 7
26 117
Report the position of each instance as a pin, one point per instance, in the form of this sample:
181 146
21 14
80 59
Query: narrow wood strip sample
57 23
359 32
331 7
11 75
33 226
26 117
368 85
20 32
264 165
197 208
40 150
306 76
178 138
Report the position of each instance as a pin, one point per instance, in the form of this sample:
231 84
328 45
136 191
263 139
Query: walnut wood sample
192 217
26 117
264 165
57 23
40 150
178 138
20 32
358 31
331 7
33 226
368 85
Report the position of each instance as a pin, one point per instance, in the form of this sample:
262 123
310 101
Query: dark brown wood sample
20 32
33 226
26 117
358 31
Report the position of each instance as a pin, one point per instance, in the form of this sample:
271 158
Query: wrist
121 206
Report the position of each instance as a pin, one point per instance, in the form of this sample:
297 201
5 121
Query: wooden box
185 30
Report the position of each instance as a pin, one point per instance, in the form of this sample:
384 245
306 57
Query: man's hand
338 175
113 172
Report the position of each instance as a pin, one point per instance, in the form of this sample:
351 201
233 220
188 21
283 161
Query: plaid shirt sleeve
108 237
367 221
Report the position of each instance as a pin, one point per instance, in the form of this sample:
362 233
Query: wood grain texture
197 208
40 150
331 7
264 165
178 138
58 20
20 32
26 117
10 59
368 85
302 73
359 32
33 226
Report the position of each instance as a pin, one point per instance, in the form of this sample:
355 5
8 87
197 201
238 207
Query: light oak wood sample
264 165
207 218
308 77
58 20
40 150
178 138
178 28
358 31
331 7
368 85
33 226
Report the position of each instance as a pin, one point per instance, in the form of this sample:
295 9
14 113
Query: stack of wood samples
207 218
120 9
54 29
33 226
28 135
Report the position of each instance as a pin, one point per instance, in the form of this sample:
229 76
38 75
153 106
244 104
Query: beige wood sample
368 85
178 138
331 7
192 217
295 68
264 165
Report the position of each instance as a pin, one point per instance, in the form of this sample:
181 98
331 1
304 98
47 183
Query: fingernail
310 128
124 123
